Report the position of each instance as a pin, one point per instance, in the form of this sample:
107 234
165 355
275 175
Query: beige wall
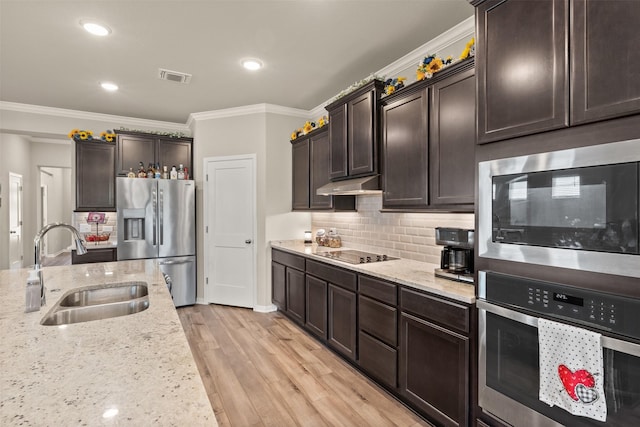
265 135
15 156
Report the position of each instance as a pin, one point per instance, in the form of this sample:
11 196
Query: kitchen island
130 370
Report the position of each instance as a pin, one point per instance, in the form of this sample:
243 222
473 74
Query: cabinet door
604 48
278 286
95 177
175 153
434 370
378 359
338 141
316 319
362 138
295 294
405 151
320 165
378 320
342 321
300 179
132 150
521 61
452 140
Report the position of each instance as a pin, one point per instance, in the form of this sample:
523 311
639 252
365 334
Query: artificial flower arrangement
391 85
431 64
309 126
87 135
356 85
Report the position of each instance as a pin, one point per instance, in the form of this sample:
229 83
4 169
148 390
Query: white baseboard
265 308
201 301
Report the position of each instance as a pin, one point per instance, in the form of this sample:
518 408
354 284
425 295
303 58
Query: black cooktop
355 257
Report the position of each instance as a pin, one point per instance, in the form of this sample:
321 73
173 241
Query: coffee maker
456 259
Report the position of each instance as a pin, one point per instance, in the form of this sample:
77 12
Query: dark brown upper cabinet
405 151
95 177
605 63
310 165
134 147
353 132
452 140
428 143
522 67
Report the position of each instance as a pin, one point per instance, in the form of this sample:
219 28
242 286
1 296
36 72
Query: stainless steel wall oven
576 208
509 310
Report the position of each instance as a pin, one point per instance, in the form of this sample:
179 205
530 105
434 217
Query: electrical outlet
85 228
107 228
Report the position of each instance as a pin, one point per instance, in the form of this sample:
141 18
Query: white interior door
230 223
16 255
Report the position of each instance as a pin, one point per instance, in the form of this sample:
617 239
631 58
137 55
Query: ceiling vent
174 76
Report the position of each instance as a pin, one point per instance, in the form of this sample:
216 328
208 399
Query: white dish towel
571 369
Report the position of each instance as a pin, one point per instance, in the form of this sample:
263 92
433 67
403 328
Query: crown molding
461 31
246 110
86 115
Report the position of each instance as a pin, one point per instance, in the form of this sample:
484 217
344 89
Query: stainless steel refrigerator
156 219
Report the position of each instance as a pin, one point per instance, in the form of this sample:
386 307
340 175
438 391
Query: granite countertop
414 274
139 364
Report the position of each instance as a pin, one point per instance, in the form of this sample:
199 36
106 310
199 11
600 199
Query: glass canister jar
335 241
320 237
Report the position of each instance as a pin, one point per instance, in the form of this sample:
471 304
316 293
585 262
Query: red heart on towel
571 379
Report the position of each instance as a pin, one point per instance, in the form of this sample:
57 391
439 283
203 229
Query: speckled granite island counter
132 370
415 274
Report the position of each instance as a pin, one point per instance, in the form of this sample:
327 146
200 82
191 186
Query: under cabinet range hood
353 186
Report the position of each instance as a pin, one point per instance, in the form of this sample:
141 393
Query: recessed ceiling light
111 87
95 28
252 64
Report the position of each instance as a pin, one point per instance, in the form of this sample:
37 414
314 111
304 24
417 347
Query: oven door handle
607 342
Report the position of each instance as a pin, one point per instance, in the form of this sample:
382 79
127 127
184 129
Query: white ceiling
312 49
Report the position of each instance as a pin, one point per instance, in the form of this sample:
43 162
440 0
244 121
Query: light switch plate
85 228
107 228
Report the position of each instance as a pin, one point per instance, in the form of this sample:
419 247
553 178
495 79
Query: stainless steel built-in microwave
575 208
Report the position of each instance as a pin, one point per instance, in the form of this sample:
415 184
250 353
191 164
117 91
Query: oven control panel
593 309
604 311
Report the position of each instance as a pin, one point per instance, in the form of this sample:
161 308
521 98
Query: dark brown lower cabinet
434 370
279 286
342 321
295 294
95 255
316 319
378 359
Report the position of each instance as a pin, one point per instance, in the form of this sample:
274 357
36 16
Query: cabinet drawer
333 275
95 255
379 360
288 259
379 320
377 289
445 313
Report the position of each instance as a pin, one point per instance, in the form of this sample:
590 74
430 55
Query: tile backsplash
405 235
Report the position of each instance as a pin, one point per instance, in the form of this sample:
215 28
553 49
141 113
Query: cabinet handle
248 241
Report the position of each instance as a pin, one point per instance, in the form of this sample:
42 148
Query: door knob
13 232
247 241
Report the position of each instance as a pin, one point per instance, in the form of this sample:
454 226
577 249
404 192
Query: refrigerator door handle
161 216
175 262
154 198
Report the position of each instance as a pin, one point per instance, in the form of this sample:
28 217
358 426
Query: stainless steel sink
96 303
115 292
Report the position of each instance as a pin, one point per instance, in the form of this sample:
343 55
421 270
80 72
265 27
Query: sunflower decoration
469 49
323 121
81 135
422 71
308 127
391 85
108 136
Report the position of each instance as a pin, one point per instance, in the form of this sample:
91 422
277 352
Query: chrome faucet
80 250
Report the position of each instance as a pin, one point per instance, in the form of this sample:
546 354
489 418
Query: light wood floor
261 370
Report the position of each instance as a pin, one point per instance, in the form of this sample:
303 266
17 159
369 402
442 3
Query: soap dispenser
33 293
